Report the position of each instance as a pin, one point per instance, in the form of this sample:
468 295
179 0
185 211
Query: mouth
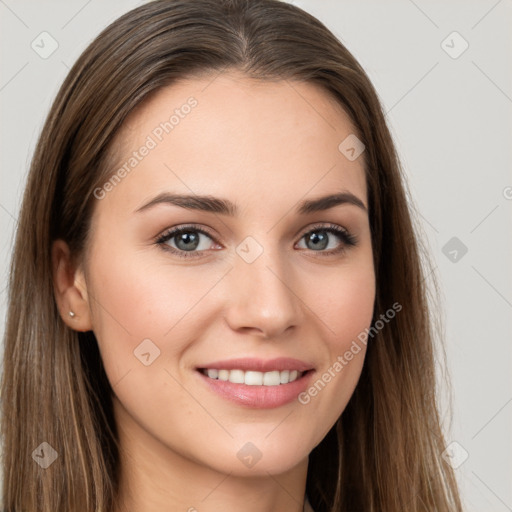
256 383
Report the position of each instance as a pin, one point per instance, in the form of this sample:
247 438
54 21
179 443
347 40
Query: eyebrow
212 204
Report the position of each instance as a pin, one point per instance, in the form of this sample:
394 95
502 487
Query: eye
321 237
187 241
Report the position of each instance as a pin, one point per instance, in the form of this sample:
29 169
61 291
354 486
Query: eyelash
347 239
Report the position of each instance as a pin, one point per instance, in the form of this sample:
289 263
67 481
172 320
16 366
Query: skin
265 146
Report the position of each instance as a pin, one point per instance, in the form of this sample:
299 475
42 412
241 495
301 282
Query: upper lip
259 365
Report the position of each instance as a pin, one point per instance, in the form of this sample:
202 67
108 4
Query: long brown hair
384 452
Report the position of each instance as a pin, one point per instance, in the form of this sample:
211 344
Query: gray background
451 119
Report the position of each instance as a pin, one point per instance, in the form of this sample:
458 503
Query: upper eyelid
171 232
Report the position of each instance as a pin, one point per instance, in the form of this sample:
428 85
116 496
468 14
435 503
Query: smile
257 383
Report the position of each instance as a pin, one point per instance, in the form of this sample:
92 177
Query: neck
155 477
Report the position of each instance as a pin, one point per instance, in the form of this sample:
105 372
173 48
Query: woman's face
253 295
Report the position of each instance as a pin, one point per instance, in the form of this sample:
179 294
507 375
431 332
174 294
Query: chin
257 454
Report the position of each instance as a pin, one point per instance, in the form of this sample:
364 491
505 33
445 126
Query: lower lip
258 397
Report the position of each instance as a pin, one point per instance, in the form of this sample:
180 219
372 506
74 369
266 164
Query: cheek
351 310
345 305
344 302
133 300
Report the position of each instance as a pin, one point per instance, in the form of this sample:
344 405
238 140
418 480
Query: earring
72 314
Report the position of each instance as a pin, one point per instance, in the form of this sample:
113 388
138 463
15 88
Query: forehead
228 134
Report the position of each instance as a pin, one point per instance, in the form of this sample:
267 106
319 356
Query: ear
70 289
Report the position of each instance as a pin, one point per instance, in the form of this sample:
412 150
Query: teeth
251 378
236 376
272 378
213 374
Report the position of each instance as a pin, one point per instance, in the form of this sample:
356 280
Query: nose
262 298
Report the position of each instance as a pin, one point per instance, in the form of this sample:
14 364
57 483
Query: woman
216 296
